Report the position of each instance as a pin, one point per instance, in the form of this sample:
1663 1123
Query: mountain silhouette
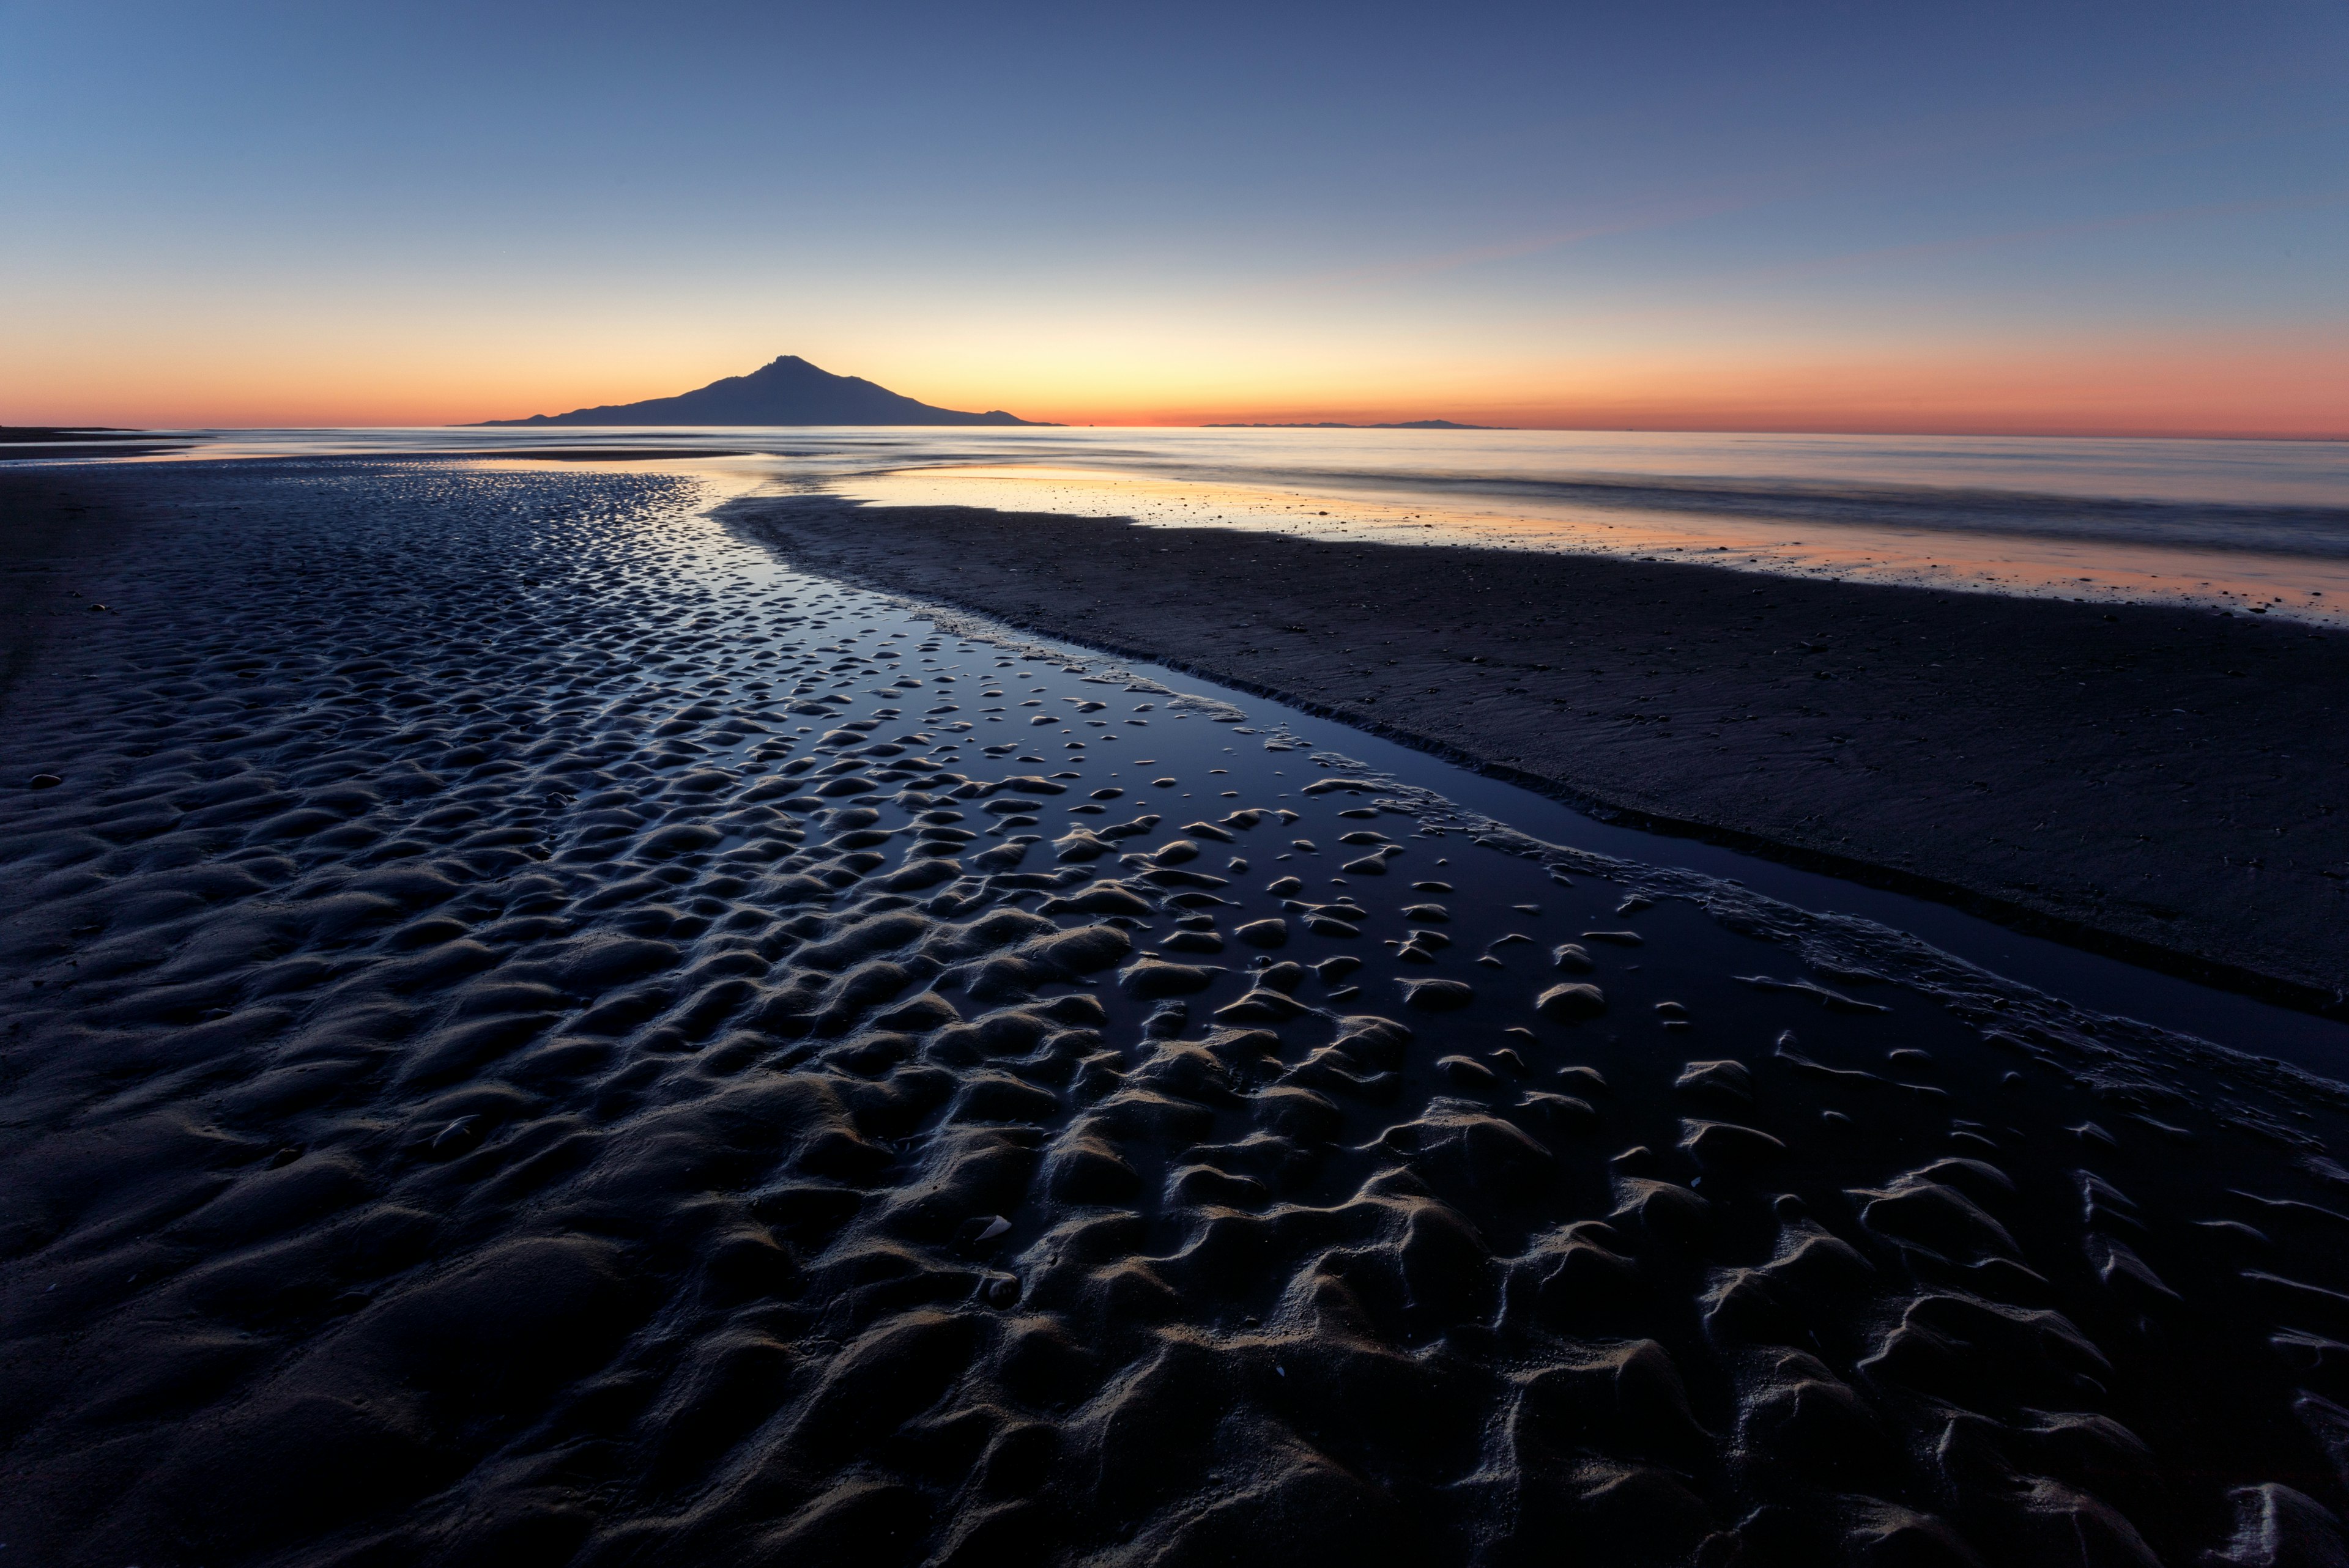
789 391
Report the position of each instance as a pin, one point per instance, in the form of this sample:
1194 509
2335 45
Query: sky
2048 217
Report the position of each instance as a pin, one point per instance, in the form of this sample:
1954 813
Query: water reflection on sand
2090 566
2259 527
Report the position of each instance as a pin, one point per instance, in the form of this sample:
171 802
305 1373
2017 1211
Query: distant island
1334 425
789 391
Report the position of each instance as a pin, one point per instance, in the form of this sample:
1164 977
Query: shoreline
1907 738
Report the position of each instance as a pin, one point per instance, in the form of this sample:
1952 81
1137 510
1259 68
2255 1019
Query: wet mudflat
533 1034
2152 780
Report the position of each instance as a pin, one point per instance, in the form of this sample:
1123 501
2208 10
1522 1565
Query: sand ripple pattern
531 1037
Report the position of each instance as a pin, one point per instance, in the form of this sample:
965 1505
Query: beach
55 542
2157 782
546 1020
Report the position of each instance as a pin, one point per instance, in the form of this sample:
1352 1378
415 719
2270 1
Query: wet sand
56 542
2157 783
531 1036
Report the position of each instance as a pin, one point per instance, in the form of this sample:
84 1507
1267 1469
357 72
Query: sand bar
2163 784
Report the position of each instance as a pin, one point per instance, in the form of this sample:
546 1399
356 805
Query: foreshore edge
790 536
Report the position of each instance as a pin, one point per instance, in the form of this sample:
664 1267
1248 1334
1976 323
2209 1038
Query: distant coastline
43 434
32 442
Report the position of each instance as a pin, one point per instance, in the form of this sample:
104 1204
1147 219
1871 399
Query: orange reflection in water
2311 588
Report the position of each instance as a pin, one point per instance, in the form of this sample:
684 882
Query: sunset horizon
2275 396
1897 224
1051 786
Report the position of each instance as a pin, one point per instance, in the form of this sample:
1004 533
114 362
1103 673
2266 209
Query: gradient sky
2047 216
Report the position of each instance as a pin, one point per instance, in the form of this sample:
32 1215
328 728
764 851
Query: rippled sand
535 1036
2159 785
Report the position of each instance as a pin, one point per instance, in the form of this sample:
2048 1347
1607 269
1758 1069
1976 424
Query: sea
2239 526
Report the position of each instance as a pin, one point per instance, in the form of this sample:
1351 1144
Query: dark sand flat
2168 785
56 542
531 1036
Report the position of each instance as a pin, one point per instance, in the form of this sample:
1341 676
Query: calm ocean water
2244 525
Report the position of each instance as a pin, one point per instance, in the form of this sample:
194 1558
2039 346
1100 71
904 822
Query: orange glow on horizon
2227 389
2280 392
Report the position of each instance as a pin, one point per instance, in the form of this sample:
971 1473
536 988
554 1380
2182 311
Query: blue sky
2093 216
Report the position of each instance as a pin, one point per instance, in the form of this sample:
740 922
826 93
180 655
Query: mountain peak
786 390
